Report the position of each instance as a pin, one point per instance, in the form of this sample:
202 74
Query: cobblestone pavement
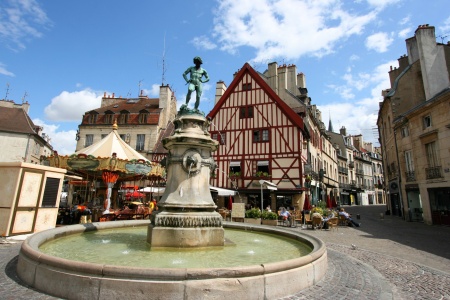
385 258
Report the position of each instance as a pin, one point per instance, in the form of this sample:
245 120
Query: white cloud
445 28
361 115
203 42
71 106
20 21
404 33
62 141
379 42
4 71
354 57
274 28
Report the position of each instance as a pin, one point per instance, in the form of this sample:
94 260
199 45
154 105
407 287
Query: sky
62 56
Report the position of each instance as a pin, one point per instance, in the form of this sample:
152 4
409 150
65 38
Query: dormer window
123 118
143 116
92 117
109 117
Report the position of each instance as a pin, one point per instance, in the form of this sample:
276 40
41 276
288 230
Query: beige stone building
414 129
141 121
21 139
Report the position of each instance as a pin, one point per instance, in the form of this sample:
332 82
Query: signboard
238 210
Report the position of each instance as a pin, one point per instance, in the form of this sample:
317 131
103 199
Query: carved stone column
186 216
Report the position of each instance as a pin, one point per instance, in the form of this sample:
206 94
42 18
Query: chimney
433 64
273 76
220 90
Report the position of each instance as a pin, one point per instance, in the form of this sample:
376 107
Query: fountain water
186 219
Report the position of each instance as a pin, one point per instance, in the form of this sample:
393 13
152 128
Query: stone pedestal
186 216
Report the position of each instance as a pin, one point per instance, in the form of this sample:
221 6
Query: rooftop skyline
62 56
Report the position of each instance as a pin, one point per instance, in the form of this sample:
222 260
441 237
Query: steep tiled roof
15 120
132 106
247 69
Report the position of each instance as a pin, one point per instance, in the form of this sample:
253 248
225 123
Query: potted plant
234 174
269 218
253 216
262 174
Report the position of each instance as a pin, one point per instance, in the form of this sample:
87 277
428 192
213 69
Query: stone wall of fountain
187 216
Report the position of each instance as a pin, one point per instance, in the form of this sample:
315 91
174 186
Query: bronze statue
195 81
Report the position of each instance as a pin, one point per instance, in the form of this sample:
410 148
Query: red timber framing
256 129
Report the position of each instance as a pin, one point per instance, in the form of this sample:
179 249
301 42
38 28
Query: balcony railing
434 172
410 176
343 170
359 171
351 164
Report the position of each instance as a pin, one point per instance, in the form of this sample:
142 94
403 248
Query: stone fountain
187 216
186 219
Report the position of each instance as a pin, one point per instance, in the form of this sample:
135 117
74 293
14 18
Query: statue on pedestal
195 81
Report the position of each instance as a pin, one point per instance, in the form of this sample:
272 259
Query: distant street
389 259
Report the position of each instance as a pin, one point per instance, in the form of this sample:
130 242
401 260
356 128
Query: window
246 112
262 168
409 161
143 117
123 119
89 140
235 168
37 149
220 137
405 131
246 86
260 135
103 136
140 142
109 118
426 121
123 137
432 156
93 118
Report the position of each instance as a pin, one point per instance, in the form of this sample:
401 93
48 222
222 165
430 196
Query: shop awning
222 192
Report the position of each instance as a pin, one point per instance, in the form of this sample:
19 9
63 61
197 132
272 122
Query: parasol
307 204
230 203
329 204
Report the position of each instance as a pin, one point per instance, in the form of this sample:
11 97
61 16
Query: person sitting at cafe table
348 216
152 205
286 215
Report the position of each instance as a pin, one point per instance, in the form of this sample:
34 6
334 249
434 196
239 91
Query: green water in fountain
128 247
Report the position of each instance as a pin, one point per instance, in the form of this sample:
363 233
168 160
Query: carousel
110 160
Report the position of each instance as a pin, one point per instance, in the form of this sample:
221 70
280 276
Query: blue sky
65 54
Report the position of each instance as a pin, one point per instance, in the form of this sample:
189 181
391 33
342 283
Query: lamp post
270 186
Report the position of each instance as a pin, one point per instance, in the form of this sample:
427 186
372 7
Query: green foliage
253 213
262 174
269 215
322 205
317 209
234 174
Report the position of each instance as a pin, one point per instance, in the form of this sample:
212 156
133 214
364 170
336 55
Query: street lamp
270 186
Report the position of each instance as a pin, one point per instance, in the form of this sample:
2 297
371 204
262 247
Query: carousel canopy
110 144
112 156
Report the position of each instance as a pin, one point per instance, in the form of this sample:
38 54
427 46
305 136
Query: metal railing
434 172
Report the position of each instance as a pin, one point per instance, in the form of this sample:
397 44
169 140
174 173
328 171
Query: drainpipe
26 150
400 191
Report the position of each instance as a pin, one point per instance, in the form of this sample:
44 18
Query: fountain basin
80 280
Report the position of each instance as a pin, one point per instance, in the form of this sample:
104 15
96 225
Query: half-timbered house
261 138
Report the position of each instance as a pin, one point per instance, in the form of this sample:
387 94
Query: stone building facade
414 130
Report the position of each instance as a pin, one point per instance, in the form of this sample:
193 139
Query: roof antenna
139 85
24 96
7 91
163 79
